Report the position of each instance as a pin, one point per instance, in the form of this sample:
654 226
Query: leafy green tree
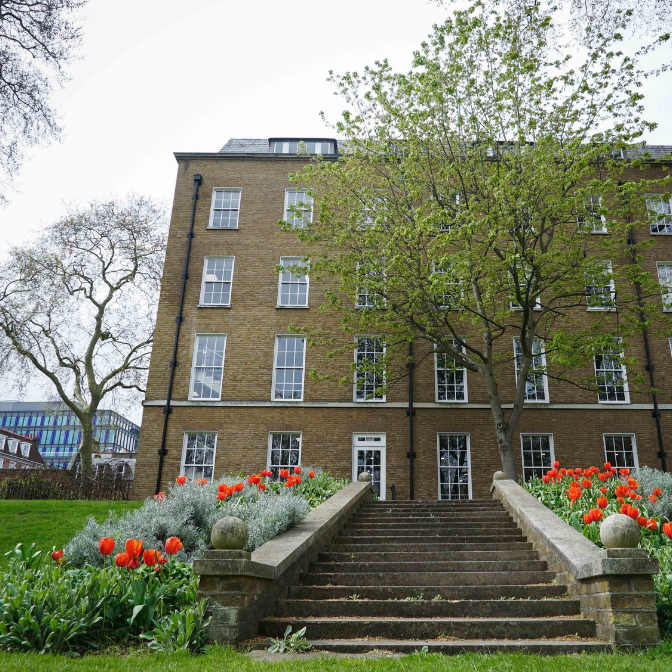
463 210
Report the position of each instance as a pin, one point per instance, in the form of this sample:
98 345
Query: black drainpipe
649 365
167 410
410 412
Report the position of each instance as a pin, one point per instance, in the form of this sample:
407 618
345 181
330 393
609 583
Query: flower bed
585 497
188 510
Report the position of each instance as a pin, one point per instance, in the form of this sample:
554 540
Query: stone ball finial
229 534
364 477
620 531
499 476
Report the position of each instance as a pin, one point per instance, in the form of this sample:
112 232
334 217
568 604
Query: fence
60 484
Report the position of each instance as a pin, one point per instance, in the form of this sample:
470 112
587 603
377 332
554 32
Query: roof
33 455
263 145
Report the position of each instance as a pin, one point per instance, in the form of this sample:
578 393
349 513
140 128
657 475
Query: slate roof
246 146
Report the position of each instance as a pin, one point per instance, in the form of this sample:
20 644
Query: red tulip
587 518
106 546
121 559
570 472
546 479
602 477
150 557
602 502
262 486
653 499
651 524
642 521
633 512
221 495
173 545
297 470
587 484
624 509
133 563
57 556
556 464
624 472
181 480
607 466
134 548
657 492
604 491
159 497
667 530
596 514
578 471
240 486
311 474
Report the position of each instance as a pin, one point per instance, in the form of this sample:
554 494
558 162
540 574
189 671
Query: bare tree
38 39
78 305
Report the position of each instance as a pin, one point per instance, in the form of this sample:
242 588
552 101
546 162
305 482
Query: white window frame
515 306
612 292
456 304
666 222
594 202
192 380
202 302
288 216
438 461
183 466
213 209
436 379
293 261
381 446
364 290
25 448
319 146
634 447
522 451
269 465
3 439
12 445
666 296
11 465
626 390
275 368
2 462
354 387
533 371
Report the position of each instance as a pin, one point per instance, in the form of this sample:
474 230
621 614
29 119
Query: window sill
293 307
614 403
369 401
205 400
451 401
287 401
661 233
222 228
601 310
599 233
207 305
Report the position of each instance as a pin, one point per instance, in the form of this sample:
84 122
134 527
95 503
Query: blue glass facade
59 432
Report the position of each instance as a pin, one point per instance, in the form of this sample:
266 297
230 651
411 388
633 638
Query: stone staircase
448 575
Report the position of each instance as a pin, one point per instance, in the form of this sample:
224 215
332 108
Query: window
224 209
302 202
660 213
446 212
208 366
537 450
369 379
448 299
665 280
536 386
2 441
310 147
524 281
290 359
592 221
454 466
12 465
198 455
2 463
292 289
217 281
25 449
612 381
451 381
620 450
365 297
284 451
601 291
12 444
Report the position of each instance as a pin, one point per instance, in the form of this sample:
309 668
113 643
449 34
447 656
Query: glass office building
59 432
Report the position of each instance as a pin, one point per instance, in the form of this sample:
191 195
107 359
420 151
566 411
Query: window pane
285 452
198 455
208 367
537 457
611 376
454 471
369 380
289 357
450 381
535 385
225 208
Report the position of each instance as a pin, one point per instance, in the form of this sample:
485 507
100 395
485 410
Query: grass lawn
223 660
48 522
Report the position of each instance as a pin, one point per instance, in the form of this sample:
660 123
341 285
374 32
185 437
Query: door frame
383 458
438 461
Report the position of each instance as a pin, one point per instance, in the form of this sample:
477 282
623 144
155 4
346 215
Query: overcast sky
159 76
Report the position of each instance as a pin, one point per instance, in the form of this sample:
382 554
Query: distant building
59 432
19 452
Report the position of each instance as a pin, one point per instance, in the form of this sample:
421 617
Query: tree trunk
505 444
86 448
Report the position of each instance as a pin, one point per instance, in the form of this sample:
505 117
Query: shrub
54 608
650 479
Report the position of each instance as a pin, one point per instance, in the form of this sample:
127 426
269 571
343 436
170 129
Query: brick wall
253 321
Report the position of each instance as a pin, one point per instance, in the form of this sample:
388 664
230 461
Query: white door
368 454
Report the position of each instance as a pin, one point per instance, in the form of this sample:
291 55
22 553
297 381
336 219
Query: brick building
241 399
19 452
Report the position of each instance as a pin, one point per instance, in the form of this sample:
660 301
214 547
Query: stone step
427 608
453 515
428 567
427 578
457 592
425 556
432 508
433 502
463 533
547 647
431 546
428 524
432 628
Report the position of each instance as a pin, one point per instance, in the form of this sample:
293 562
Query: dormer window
296 145
2 442
25 449
13 445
